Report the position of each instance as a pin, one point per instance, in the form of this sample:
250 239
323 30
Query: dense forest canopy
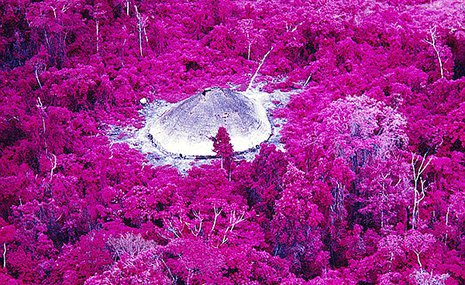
369 188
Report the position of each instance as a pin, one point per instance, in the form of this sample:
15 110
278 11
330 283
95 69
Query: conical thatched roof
187 128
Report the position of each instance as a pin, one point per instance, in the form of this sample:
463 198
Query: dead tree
432 41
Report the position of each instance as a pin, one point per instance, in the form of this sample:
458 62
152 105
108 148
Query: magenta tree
223 148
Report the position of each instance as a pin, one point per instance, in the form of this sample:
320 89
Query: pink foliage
223 148
374 84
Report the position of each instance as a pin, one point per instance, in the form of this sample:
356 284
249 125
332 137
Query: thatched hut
188 127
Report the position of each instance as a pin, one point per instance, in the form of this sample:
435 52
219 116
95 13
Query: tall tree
223 148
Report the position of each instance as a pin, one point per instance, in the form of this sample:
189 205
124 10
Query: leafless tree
419 186
141 28
432 41
129 244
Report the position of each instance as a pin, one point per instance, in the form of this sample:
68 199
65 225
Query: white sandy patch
141 140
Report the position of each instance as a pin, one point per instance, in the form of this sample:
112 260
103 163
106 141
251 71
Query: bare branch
196 231
432 41
129 244
417 253
97 30
40 106
233 221
172 229
419 185
4 254
141 25
36 72
258 69
217 213
53 160
308 80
